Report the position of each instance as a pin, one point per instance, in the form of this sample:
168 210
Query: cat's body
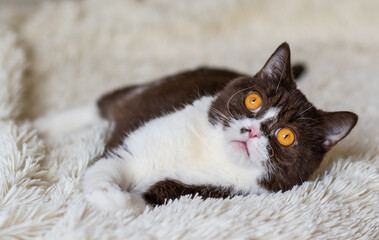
131 107
167 139
181 146
199 132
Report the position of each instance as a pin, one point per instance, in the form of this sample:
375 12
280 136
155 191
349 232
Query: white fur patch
103 184
257 147
184 146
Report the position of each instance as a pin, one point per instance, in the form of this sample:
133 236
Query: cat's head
268 123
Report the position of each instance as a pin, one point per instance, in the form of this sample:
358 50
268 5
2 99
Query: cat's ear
278 65
337 125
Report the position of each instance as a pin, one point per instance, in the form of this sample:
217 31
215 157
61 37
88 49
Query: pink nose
254 133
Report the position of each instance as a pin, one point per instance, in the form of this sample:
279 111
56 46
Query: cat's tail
298 70
69 121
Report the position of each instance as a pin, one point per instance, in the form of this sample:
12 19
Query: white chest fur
182 146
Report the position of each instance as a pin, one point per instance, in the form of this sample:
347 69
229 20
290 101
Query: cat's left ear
337 125
278 65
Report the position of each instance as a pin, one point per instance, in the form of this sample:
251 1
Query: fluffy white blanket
67 53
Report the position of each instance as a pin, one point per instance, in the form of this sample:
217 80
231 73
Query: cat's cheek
257 148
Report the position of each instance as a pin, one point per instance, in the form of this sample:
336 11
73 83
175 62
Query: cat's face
269 124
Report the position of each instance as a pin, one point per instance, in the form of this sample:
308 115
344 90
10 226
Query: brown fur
172 189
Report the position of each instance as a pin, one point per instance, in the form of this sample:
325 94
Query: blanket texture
62 54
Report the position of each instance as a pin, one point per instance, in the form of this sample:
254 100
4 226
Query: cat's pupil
285 136
253 101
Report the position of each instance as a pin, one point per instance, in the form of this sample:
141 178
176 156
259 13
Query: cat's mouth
242 145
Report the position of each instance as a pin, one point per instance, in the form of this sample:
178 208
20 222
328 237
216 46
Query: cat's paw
110 198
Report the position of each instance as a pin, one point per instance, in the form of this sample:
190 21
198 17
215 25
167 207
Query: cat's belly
183 146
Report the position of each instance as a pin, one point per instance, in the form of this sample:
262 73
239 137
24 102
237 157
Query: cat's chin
239 153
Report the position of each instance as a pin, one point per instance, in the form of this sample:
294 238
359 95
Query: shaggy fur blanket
63 54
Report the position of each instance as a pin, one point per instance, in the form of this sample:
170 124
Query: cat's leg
105 185
57 124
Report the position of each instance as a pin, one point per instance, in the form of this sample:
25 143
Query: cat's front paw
110 198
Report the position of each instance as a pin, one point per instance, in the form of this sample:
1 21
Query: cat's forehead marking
271 113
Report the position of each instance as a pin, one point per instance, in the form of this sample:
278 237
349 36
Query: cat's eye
285 136
253 102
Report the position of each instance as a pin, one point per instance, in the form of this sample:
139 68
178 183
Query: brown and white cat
210 132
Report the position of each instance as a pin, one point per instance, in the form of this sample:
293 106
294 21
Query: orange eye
253 101
285 136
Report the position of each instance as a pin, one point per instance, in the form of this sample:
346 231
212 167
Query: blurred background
77 50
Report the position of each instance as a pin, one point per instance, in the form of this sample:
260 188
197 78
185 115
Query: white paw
110 198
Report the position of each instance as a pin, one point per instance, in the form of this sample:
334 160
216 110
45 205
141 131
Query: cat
212 133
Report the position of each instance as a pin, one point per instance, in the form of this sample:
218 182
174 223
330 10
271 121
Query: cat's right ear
278 66
337 125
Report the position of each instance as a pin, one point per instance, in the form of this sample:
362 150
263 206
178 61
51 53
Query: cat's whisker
219 113
305 110
293 91
272 150
227 104
271 166
215 110
227 107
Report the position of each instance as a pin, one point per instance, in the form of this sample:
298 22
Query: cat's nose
253 133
